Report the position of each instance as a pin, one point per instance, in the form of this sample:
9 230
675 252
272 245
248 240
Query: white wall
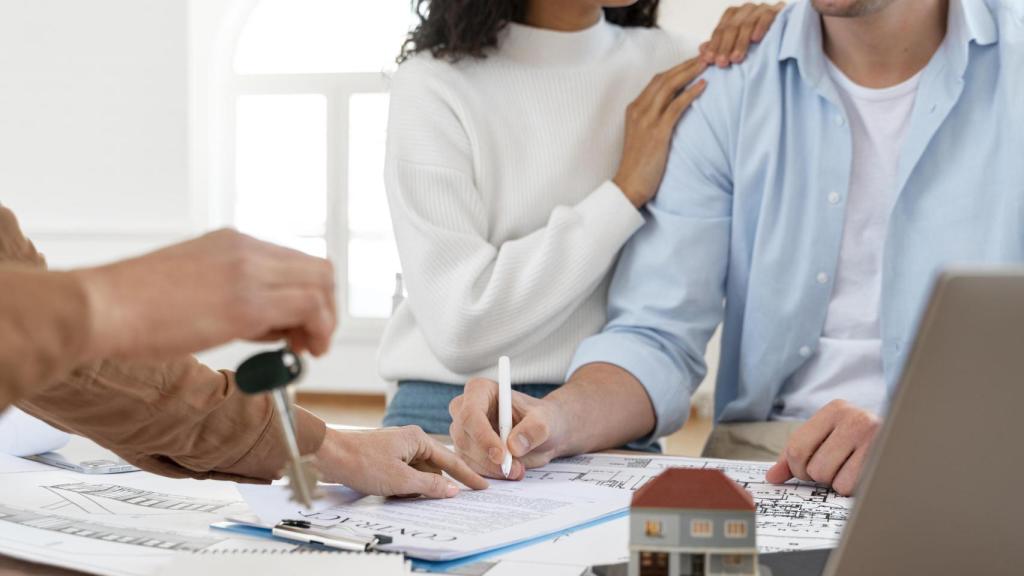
94 124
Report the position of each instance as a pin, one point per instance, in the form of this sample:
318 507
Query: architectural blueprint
129 524
792 516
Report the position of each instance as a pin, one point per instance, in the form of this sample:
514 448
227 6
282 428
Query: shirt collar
969 21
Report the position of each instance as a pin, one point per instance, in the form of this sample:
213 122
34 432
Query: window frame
736 529
653 529
336 89
701 522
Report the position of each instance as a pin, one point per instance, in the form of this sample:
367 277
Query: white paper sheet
15 465
471 523
125 525
792 516
24 435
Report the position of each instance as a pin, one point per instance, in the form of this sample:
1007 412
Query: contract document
473 522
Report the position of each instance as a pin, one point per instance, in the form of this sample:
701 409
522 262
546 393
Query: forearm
177 418
44 330
461 285
602 406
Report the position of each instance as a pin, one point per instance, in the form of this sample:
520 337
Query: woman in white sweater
513 180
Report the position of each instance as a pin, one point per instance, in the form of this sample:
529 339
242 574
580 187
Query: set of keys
275 373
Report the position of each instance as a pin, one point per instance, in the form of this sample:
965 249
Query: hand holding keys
275 372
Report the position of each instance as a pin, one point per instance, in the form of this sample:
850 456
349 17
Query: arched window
309 89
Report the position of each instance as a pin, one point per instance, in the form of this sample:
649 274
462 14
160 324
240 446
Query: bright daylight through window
311 115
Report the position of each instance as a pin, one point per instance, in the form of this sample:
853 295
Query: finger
730 33
477 418
705 54
764 23
292 268
830 457
301 309
676 79
716 37
532 431
411 481
739 51
779 473
848 477
683 102
437 455
806 440
537 458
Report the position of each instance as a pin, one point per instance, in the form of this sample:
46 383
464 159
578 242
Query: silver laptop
944 490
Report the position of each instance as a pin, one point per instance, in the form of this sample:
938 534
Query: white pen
505 410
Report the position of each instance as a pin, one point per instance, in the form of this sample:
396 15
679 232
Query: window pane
281 169
318 36
373 257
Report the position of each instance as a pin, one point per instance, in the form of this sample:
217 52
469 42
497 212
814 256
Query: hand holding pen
536 432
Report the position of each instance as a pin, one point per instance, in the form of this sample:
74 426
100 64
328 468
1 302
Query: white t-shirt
848 362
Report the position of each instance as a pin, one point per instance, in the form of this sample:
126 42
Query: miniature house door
654 564
697 565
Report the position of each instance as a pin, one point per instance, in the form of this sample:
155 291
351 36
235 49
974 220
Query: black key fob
268 371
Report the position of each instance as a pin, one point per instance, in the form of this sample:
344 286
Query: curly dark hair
454 29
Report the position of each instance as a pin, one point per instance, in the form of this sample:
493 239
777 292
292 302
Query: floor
368 411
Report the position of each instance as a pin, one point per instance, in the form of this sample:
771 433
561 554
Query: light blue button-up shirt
746 223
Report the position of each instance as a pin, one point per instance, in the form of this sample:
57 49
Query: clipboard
260 531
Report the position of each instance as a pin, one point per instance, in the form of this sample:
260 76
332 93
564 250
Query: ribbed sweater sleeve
475 300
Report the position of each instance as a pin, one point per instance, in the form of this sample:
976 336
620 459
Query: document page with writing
473 522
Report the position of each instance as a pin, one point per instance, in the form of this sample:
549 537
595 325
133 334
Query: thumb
779 473
412 481
532 431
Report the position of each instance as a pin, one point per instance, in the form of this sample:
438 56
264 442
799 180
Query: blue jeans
425 404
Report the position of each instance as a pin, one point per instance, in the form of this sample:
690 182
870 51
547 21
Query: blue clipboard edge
435 565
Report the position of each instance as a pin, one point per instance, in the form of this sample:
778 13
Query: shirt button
840 121
833 198
933 108
805 351
822 278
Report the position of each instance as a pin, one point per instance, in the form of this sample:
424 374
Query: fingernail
723 61
451 491
523 443
495 455
736 56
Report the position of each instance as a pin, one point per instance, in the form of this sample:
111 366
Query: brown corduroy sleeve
43 329
176 418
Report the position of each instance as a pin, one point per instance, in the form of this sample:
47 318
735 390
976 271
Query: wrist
100 311
334 456
565 423
629 190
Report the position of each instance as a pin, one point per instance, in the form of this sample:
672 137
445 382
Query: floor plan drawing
109 498
92 530
792 516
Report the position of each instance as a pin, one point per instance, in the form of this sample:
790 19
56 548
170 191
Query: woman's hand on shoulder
650 121
740 26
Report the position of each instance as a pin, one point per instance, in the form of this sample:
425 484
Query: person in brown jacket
104 353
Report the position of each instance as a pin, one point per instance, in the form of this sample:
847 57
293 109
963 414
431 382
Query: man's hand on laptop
830 448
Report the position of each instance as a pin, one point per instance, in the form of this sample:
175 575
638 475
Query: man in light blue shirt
811 195
753 205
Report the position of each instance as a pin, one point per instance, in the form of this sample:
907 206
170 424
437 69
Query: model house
692 523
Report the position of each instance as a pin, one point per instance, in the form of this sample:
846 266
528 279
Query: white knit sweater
498 177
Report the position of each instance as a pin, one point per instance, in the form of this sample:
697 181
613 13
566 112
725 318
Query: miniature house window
653 564
702 528
652 529
736 529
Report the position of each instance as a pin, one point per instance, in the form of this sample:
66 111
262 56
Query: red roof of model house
694 489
